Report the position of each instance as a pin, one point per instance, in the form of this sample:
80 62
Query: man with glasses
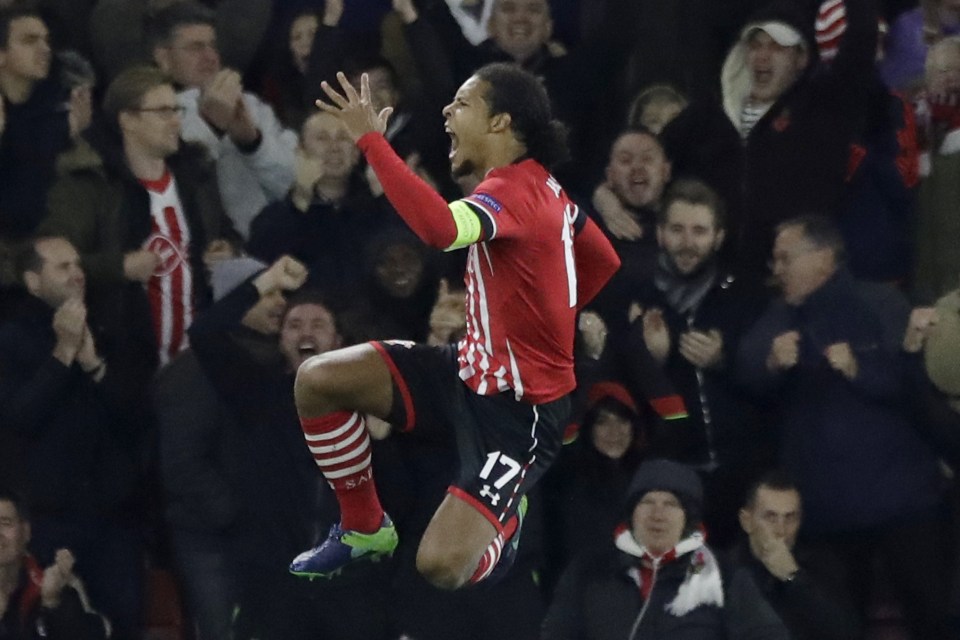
140 208
254 153
827 357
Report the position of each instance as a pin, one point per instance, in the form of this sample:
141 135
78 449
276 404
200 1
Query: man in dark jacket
827 356
690 315
779 143
661 557
67 403
804 592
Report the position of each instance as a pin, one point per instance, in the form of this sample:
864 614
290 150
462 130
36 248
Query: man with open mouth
534 259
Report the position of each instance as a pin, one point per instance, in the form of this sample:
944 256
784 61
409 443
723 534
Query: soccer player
534 260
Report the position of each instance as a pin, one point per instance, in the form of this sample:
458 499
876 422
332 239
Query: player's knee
443 569
315 379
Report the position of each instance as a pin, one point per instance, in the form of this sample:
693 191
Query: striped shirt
170 288
521 286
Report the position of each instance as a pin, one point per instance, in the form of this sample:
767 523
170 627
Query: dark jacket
795 158
598 598
851 445
34 134
721 427
80 442
809 604
278 482
199 454
26 618
105 212
327 238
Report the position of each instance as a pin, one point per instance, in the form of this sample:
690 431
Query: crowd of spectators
768 403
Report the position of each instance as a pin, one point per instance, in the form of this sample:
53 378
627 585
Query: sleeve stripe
469 220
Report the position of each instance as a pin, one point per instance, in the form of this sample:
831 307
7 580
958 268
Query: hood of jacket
735 76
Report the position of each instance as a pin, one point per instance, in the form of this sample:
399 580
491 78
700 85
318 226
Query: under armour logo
487 493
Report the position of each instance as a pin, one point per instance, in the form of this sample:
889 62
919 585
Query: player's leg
454 543
504 448
333 391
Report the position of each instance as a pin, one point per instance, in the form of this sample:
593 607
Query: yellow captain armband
469 229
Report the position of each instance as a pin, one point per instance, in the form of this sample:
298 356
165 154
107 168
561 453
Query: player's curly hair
512 90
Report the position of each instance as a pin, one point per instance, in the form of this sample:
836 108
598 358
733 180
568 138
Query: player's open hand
354 109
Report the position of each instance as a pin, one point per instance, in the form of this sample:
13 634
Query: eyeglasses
163 112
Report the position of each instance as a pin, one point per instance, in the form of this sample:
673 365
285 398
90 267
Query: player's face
638 170
14 536
154 127
773 67
61 276
192 57
658 521
307 330
27 54
775 515
467 120
612 434
326 137
689 236
520 27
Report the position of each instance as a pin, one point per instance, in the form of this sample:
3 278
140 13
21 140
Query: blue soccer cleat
346 547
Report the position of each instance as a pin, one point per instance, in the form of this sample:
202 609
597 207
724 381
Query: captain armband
469 227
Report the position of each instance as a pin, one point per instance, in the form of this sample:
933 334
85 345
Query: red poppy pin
781 122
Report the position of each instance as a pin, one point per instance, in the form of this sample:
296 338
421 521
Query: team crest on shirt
170 254
489 201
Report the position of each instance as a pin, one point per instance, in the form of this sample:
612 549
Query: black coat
80 443
810 604
597 599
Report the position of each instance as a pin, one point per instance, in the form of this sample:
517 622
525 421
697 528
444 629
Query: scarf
702 584
684 293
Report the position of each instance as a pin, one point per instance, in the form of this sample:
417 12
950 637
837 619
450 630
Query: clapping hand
921 323
656 334
702 350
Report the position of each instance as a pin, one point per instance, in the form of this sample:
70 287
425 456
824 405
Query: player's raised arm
421 207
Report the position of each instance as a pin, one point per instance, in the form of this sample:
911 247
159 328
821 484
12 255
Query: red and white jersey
521 282
170 289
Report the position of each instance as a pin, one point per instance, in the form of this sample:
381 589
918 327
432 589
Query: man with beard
689 316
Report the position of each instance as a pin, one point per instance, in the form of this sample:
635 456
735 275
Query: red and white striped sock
491 556
488 560
340 446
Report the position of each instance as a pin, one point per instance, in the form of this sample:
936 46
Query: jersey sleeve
595 258
423 209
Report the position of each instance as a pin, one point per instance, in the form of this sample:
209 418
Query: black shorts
505 446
